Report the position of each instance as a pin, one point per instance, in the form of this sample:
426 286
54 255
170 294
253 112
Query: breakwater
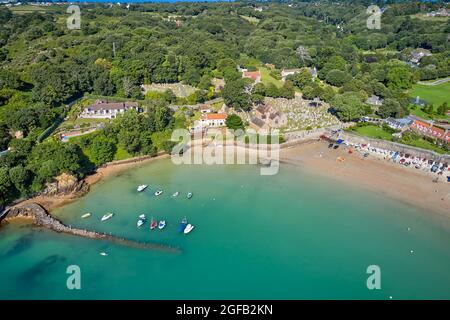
43 219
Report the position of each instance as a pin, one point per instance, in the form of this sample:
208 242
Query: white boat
189 195
142 216
175 194
158 192
86 215
103 254
142 187
140 222
107 216
188 228
161 224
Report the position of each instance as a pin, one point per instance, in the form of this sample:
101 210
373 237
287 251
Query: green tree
337 77
442 109
234 122
5 186
20 177
348 106
102 150
301 79
389 108
399 78
235 96
5 137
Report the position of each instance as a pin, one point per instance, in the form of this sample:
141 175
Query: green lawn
121 154
435 95
373 131
421 143
266 78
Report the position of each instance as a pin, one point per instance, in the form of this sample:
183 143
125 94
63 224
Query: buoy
390 297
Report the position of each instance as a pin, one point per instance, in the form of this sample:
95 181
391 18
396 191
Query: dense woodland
44 66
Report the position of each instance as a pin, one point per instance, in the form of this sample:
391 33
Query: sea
293 235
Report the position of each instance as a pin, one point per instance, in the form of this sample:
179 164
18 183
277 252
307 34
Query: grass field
435 95
266 78
421 143
373 131
250 19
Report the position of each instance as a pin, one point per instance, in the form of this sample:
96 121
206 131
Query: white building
107 110
213 119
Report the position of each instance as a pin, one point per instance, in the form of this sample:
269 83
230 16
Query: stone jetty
42 218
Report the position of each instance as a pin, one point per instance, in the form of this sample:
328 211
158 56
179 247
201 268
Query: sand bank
408 185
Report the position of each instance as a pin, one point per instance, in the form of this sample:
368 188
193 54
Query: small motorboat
188 228
141 220
153 224
175 194
103 254
158 192
182 225
189 195
142 187
161 224
86 215
107 216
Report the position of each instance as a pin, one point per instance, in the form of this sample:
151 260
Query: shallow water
288 236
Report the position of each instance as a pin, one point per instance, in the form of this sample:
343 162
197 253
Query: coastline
391 180
407 185
51 202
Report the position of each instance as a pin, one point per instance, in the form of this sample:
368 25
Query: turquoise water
288 236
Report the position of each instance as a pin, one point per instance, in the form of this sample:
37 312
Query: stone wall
383 144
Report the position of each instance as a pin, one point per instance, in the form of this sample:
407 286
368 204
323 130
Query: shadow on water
44 266
20 245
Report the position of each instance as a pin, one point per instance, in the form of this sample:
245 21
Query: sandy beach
392 180
408 185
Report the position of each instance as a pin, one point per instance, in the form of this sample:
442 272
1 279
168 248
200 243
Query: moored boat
182 225
175 194
103 254
107 216
86 215
188 228
161 224
141 220
153 224
158 192
189 195
142 187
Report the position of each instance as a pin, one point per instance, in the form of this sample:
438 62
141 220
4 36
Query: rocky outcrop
65 184
43 219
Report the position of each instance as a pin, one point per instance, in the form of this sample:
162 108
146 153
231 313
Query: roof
205 107
263 109
290 70
103 105
252 74
215 116
257 122
428 129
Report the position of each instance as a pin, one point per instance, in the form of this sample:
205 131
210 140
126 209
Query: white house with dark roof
108 110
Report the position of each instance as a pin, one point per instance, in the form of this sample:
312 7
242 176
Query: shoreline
415 188
51 202
376 175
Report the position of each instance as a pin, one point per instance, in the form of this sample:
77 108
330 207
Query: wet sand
389 179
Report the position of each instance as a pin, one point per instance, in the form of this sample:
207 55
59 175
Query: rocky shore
43 219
